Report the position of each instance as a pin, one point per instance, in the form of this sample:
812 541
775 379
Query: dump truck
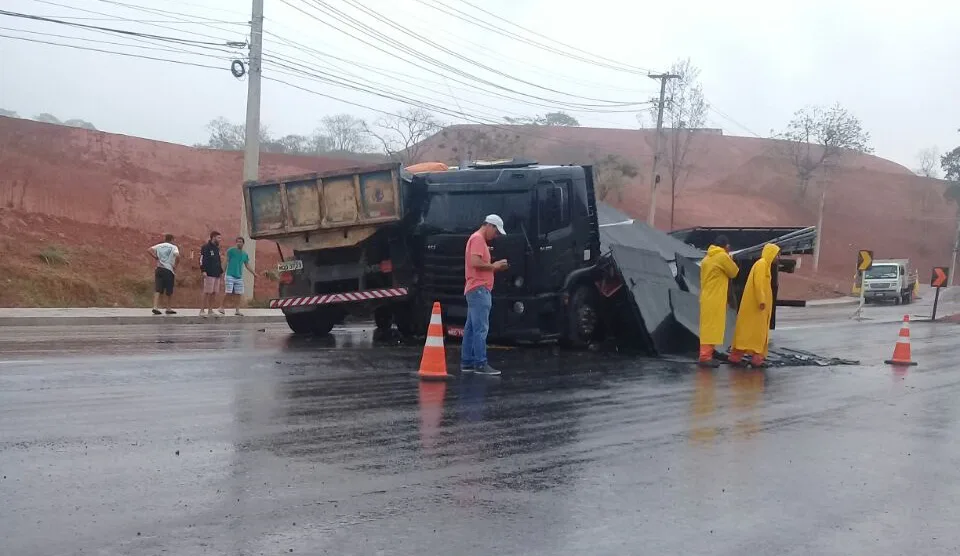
382 241
343 244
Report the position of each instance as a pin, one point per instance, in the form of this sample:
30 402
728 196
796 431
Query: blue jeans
473 353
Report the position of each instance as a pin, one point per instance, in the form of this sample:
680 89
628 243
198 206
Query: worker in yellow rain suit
716 271
753 319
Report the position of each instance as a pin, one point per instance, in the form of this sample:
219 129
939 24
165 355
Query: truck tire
583 317
908 298
383 317
318 323
410 321
300 323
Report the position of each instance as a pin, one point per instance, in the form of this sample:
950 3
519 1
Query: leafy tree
402 136
950 163
556 119
818 137
611 175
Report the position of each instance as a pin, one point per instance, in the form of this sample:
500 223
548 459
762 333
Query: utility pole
251 152
956 251
655 179
819 242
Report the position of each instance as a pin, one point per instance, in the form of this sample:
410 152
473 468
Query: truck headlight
518 282
518 308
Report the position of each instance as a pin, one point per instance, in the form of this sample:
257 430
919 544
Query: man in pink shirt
479 274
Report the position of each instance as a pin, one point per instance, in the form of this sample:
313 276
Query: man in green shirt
237 260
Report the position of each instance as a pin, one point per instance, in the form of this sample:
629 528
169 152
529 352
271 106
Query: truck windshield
464 212
882 272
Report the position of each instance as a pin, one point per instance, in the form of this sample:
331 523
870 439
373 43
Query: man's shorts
234 285
211 285
163 281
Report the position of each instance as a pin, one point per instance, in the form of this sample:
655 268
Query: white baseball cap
496 221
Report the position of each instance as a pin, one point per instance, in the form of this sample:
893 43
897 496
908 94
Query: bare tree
928 162
344 133
224 135
402 136
611 174
684 114
554 119
818 137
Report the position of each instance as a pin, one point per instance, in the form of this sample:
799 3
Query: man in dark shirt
211 267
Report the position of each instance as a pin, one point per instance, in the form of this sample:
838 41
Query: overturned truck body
655 281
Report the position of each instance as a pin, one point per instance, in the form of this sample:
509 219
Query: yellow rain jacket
716 270
753 324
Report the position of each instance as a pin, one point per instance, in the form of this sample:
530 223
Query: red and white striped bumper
329 298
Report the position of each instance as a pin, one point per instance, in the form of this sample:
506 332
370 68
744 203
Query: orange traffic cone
433 364
901 353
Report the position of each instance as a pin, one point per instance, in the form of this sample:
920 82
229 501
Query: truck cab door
555 238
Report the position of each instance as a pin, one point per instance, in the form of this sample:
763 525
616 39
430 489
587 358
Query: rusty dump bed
327 209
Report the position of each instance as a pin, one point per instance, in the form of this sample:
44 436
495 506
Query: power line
107 29
157 25
126 54
483 66
150 46
463 16
376 35
535 33
145 21
713 108
393 76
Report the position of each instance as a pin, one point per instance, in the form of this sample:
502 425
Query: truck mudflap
335 298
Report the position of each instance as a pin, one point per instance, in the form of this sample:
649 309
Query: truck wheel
300 323
897 300
410 320
383 317
908 298
318 323
583 317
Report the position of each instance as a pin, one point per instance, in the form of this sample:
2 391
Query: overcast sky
893 66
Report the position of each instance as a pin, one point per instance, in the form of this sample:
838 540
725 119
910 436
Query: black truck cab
552 245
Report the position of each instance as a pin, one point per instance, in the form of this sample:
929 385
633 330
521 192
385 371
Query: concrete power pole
251 153
956 251
654 181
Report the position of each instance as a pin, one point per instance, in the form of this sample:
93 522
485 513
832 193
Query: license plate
287 266
455 331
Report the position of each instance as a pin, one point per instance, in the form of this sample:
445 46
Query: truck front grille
443 274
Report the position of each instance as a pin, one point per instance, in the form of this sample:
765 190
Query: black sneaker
466 369
170 312
156 311
487 370
711 364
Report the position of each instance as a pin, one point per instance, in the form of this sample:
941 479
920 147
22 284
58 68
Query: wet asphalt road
188 440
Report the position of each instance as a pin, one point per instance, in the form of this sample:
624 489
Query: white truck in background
890 280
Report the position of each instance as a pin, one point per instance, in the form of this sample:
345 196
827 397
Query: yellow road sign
864 260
